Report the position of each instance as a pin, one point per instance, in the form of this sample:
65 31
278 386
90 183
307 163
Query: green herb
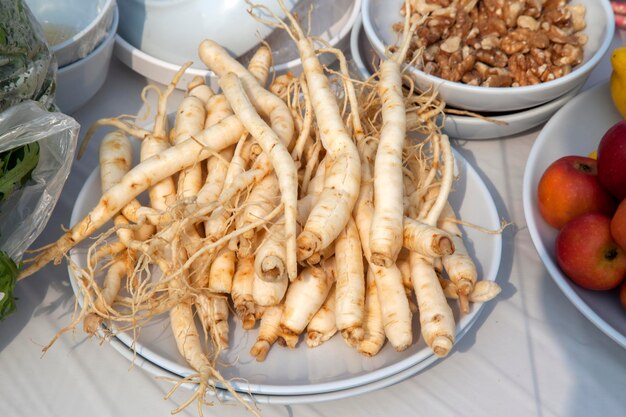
16 166
8 278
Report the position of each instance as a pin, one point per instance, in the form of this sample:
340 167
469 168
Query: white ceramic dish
465 127
575 130
223 395
332 366
379 16
88 20
171 30
78 82
331 20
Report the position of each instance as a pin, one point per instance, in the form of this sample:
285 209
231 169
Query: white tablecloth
531 353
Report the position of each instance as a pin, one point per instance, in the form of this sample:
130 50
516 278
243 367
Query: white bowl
334 365
171 30
331 21
466 127
86 22
81 80
575 130
378 17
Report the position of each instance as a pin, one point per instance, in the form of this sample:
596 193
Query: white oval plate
575 130
466 127
332 366
332 20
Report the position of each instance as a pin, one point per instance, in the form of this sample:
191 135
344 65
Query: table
531 353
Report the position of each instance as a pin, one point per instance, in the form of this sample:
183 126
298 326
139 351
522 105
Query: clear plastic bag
25 213
27 66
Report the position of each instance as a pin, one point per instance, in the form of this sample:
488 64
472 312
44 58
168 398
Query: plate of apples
575 206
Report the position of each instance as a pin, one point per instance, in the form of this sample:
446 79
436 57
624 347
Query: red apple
568 188
618 225
612 160
588 255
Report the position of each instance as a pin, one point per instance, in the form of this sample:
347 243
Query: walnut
429 35
541 57
511 11
528 22
494 58
492 25
578 17
567 54
538 39
534 7
498 80
558 17
472 78
482 69
467 51
557 35
451 45
555 72
515 42
549 5
424 7
467 5
472 38
522 39
490 42
463 25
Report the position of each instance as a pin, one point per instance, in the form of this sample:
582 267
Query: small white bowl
171 30
379 16
86 22
332 20
467 127
81 80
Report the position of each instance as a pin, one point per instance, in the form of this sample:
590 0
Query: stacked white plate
333 370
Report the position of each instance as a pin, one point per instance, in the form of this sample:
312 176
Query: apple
568 188
612 160
588 255
618 225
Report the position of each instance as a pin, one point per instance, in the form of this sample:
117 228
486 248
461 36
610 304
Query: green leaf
16 166
8 279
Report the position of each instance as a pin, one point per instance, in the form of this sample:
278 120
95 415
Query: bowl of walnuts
494 55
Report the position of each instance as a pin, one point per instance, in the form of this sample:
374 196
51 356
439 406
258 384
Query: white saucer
466 127
332 21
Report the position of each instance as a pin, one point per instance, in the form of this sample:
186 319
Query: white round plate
575 130
466 127
141 362
223 395
331 20
332 366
